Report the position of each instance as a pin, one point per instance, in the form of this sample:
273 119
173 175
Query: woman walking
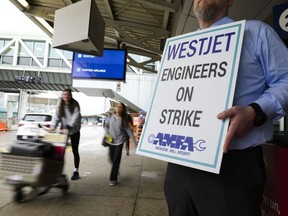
68 114
115 127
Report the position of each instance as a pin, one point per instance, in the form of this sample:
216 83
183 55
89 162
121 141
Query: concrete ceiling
137 25
142 25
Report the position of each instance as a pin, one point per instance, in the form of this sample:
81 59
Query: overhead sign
28 79
196 81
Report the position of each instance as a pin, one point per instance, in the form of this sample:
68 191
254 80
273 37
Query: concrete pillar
23 102
10 109
9 114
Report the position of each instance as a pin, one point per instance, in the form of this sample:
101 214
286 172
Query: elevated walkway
50 81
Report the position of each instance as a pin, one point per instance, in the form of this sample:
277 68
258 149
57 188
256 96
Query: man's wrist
260 117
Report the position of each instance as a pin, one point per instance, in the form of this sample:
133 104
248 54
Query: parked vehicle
28 126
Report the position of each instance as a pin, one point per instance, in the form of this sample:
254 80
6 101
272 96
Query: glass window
23 51
7 60
151 66
24 61
1 43
10 50
68 54
37 118
128 69
3 114
54 62
35 64
39 48
53 53
29 44
64 65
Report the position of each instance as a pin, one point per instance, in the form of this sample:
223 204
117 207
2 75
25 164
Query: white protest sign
196 81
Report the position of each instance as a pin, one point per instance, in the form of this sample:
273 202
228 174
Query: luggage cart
39 173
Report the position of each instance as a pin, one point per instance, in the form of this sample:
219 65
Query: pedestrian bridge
24 68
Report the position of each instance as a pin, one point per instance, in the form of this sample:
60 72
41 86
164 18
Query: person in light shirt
261 96
68 114
116 127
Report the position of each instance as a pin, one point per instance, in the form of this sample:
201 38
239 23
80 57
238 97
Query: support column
9 114
23 101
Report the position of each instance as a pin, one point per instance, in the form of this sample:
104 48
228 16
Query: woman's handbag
106 139
104 143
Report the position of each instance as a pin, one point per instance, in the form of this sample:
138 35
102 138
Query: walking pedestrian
115 127
69 116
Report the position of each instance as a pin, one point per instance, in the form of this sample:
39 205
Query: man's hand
241 121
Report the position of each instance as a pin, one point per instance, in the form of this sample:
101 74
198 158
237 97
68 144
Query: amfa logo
179 142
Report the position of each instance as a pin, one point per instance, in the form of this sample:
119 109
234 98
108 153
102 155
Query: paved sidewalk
139 193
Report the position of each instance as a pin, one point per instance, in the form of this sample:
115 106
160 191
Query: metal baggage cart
37 172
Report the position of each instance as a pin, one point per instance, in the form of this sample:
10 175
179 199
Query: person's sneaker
75 176
127 153
112 183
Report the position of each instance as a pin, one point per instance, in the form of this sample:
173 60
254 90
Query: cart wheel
65 184
18 197
65 188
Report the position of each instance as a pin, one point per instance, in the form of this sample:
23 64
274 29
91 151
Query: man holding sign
261 95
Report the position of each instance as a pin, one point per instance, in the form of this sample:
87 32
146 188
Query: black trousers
75 138
115 154
127 142
236 191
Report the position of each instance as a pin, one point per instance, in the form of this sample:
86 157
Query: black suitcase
35 148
